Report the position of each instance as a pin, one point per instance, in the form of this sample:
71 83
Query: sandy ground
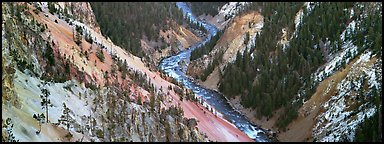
251 115
299 130
215 127
186 37
212 80
217 20
232 38
180 34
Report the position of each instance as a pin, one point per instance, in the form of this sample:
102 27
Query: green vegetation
195 26
122 67
88 38
21 64
206 48
67 67
368 34
78 35
246 39
371 129
142 81
49 55
211 66
273 78
126 23
40 118
45 102
8 125
53 64
139 101
19 10
210 8
99 133
51 7
65 118
68 135
152 102
100 55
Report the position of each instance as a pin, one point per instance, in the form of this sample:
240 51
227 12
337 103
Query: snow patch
232 8
298 19
337 123
349 51
299 16
363 58
310 6
336 62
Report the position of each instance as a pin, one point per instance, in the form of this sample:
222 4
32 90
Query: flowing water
176 66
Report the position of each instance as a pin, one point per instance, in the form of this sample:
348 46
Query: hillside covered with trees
262 82
211 8
127 23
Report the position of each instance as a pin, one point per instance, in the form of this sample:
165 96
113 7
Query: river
174 67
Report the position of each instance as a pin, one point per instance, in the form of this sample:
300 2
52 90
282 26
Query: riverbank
264 123
216 128
300 129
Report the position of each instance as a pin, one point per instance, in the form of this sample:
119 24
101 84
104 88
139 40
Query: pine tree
49 55
152 102
65 118
100 55
8 125
40 118
139 100
51 7
45 102
246 39
67 67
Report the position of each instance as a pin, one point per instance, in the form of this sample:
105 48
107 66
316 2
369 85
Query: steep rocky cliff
40 57
233 40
